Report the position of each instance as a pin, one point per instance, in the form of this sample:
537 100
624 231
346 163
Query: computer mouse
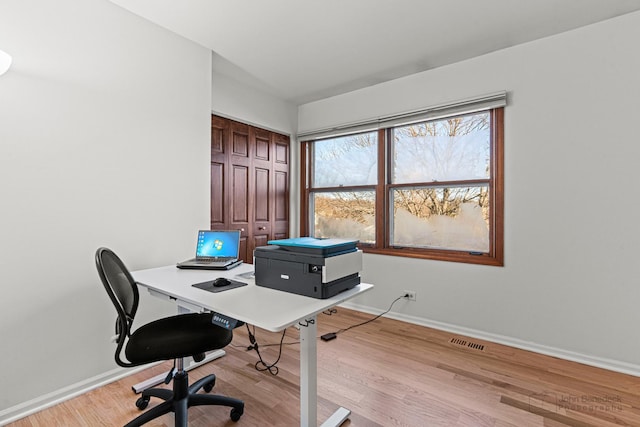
221 281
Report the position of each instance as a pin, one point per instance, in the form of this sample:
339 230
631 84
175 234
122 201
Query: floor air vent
465 343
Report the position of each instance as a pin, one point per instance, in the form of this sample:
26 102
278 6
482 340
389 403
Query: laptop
215 250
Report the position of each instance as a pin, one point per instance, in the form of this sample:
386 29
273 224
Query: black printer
318 268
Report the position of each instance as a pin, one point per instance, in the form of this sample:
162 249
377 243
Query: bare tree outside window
346 215
440 208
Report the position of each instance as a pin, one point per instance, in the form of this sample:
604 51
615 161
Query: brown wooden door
249 183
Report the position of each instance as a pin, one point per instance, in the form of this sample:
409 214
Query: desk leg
308 375
309 381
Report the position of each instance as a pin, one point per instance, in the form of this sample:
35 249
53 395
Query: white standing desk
262 307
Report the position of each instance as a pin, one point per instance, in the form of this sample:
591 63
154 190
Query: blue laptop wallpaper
218 243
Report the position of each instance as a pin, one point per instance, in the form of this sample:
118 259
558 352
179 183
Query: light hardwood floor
389 373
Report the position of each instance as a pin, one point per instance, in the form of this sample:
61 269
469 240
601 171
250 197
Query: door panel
281 177
217 139
281 202
240 195
262 148
240 142
282 152
261 194
217 194
261 167
260 240
239 187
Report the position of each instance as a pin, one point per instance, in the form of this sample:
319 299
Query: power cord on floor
332 335
261 365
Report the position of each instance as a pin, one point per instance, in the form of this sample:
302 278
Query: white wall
104 140
570 282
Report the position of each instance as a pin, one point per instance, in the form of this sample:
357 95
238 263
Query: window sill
451 256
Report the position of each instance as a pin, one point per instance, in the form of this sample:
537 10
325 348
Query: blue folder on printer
315 246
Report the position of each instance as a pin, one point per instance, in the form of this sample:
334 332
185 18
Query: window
345 178
429 189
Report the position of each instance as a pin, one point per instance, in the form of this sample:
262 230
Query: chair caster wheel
209 386
142 403
236 414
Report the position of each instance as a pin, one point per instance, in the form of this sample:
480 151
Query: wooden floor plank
388 373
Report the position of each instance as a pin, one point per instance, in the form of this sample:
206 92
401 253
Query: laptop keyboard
219 259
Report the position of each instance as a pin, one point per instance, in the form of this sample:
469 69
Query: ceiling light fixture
5 62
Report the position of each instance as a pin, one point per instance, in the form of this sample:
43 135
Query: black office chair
169 338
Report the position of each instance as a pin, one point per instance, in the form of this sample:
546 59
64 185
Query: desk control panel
225 321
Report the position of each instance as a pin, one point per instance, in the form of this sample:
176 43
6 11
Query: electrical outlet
410 295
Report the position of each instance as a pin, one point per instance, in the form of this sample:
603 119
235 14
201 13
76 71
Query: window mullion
305 183
381 197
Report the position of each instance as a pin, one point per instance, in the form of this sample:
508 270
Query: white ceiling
304 50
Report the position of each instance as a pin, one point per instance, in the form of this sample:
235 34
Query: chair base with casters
182 397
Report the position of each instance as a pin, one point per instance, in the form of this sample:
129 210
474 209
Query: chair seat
175 337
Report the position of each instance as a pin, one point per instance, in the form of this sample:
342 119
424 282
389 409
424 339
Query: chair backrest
122 290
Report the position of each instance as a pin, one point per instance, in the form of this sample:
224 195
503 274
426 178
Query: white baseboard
24 409
599 362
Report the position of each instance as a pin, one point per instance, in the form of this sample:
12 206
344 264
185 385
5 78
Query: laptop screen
218 243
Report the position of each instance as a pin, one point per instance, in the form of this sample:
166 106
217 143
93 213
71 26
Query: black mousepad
208 286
